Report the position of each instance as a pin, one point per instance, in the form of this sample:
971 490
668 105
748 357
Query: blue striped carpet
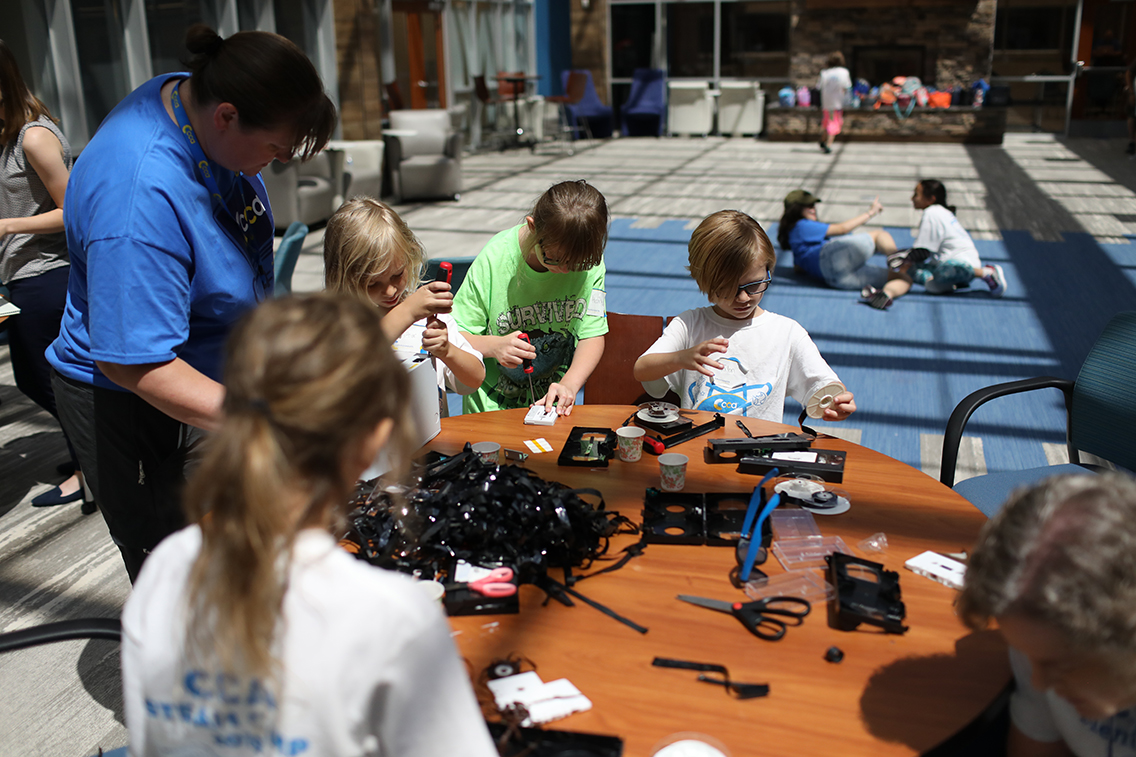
910 365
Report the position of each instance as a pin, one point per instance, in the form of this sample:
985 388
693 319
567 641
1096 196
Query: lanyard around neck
205 170
202 162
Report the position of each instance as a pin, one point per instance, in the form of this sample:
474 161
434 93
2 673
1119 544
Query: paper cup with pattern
672 469
630 443
489 452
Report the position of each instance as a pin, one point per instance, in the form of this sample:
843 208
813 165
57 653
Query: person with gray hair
1056 569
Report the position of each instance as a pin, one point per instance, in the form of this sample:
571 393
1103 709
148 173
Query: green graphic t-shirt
502 294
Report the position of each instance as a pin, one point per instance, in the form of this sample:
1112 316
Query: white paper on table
545 702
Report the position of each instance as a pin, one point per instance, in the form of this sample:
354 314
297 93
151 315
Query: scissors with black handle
765 618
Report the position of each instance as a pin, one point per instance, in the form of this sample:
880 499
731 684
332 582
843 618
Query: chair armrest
63 630
963 410
393 150
454 146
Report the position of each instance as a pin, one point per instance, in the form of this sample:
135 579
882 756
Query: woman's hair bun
202 40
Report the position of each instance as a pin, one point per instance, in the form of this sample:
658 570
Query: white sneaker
996 280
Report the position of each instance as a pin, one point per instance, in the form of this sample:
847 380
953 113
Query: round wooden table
891 694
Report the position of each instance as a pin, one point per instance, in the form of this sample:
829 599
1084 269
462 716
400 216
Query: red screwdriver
527 365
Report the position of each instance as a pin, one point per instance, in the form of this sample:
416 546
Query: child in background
834 82
254 624
370 252
544 278
734 357
947 256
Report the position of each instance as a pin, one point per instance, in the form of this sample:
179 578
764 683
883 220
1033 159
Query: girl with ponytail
252 632
943 257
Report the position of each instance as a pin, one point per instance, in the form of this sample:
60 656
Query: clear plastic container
793 524
807 584
795 554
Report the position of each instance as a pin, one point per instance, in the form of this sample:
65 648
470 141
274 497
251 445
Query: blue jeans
843 263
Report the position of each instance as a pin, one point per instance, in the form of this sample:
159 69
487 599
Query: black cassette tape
826 464
683 518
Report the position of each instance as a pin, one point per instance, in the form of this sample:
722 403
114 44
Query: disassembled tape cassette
822 400
662 417
814 496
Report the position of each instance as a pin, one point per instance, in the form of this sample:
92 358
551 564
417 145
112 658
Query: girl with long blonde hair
252 632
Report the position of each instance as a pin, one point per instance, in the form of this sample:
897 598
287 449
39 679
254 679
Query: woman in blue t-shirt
170 235
829 252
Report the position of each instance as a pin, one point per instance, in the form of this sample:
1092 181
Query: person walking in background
170 234
834 82
35 161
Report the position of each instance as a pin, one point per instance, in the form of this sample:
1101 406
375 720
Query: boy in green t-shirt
544 278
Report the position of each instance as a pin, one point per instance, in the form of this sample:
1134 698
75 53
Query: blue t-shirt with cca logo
158 270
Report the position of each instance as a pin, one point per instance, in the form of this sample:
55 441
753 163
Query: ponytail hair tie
214 45
260 407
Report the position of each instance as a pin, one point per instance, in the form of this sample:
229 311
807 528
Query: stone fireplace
950 41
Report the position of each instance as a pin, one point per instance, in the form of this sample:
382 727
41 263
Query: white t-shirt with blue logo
769 357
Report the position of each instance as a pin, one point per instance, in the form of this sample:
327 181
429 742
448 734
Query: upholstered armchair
424 155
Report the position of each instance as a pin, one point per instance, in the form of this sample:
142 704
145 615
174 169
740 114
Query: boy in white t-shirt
834 82
947 256
734 357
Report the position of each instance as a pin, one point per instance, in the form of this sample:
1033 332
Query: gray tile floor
57 564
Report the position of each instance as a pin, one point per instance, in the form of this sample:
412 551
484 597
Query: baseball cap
801 197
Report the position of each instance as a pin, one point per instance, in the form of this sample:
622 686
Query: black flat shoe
54 497
89 508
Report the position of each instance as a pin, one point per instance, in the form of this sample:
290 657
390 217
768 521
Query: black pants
139 463
40 299
142 455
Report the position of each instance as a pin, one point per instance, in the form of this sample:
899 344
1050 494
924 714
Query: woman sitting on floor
829 252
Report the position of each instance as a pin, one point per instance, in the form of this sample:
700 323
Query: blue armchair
1099 409
644 113
589 112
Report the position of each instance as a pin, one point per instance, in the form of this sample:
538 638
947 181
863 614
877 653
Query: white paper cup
630 443
433 589
672 471
490 452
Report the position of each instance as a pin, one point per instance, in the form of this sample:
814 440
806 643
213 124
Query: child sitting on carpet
943 257
253 629
369 252
734 357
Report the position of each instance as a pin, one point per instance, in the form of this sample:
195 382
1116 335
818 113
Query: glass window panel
1033 28
102 64
755 40
290 24
460 44
166 23
690 39
28 43
521 39
632 38
486 41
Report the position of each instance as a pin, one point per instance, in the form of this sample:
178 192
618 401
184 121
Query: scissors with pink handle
498 583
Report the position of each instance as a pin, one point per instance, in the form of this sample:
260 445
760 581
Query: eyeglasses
551 263
544 258
755 288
